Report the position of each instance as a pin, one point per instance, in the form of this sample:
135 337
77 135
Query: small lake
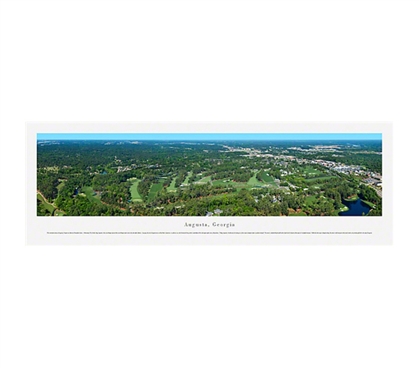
356 208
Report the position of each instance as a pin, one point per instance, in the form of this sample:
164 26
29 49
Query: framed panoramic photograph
156 183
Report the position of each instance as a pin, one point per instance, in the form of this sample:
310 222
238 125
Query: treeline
230 170
232 203
189 193
180 178
370 195
145 184
107 155
116 194
274 173
81 206
47 183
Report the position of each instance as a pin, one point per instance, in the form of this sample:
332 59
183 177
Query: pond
356 208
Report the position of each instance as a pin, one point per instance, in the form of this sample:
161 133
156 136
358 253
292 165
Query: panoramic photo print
209 174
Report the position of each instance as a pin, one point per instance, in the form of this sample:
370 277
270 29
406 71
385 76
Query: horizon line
206 136
207 140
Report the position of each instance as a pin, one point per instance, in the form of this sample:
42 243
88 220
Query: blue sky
209 136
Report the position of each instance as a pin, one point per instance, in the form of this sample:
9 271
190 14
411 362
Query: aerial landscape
214 174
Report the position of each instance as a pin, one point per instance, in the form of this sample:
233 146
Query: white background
376 230
201 306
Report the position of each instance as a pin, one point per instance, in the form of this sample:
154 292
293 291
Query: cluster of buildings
339 167
374 181
126 168
317 148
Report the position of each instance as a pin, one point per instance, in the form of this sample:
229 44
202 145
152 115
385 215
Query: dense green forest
162 178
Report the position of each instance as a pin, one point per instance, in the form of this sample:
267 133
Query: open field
47 206
222 182
135 196
186 181
155 188
310 170
235 184
267 178
253 182
61 185
204 180
316 186
90 194
171 187
319 178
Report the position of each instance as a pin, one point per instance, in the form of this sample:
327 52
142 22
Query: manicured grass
239 185
222 182
342 209
372 205
312 171
171 187
310 200
135 196
226 182
155 188
319 178
254 182
47 206
204 180
90 194
267 178
317 186
61 185
186 182
251 183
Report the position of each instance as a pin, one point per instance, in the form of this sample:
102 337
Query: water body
356 208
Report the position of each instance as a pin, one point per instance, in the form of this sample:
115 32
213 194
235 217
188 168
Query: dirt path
52 204
44 198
